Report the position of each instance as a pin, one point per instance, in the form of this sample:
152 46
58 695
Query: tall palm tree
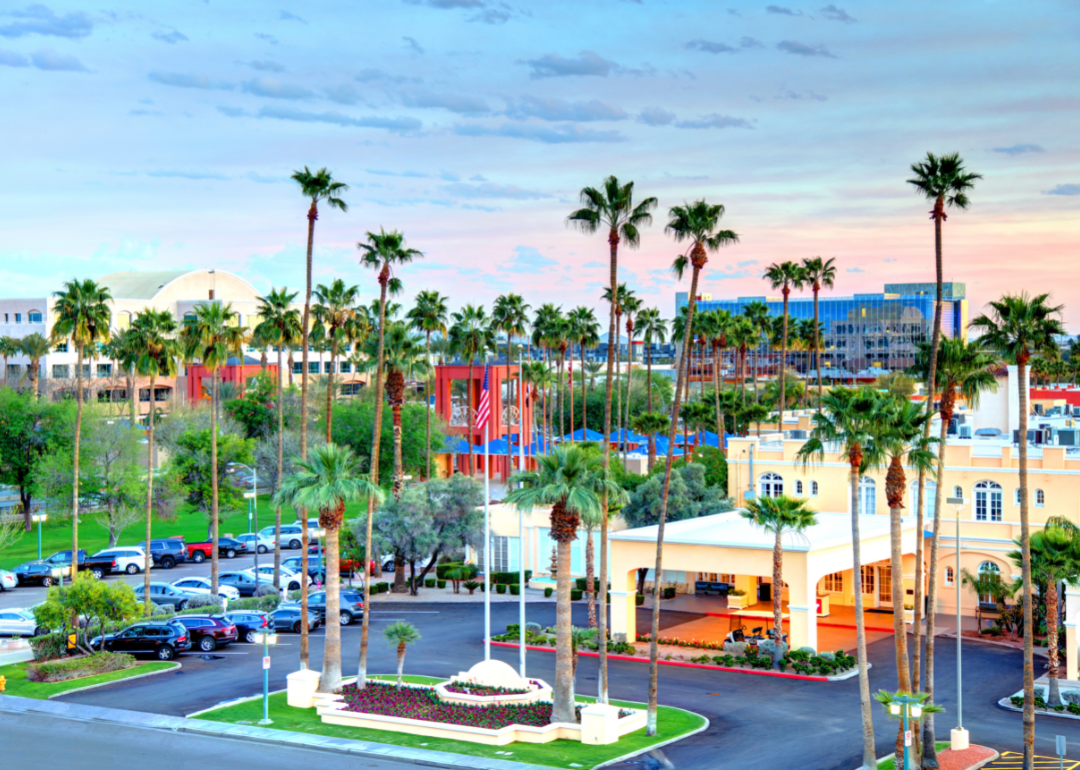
35 347
757 313
1018 327
784 276
280 327
819 274
382 252
540 375
585 331
510 315
428 315
9 347
557 338
699 224
154 333
618 299
778 516
572 481
610 208
472 337
741 335
652 328
212 334
334 313
848 418
649 424
808 334
82 315
719 324
324 482
631 305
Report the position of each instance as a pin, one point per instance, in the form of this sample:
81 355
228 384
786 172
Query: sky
162 135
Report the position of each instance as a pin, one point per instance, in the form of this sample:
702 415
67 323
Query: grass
17 683
672 722
888 764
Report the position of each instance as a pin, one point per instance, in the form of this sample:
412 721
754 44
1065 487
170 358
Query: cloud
447 5
413 45
268 38
729 274
714 121
554 65
286 16
832 13
561 109
382 172
526 259
197 175
12 59
1064 189
275 89
185 80
710 46
1018 149
477 178
372 75
40 20
655 116
801 49
263 66
463 105
492 190
887 259
144 113
254 176
562 135
170 37
855 270
401 124
594 263
56 62
491 16
782 11
750 43
787 93
232 112
346 93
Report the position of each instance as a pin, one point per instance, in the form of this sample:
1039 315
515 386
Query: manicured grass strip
672 723
888 764
17 683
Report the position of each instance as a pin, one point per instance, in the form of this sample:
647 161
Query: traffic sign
249 495
266 662
907 737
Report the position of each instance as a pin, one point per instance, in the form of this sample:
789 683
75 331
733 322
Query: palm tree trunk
75 465
629 381
149 504
648 402
427 405
778 592
1052 640
331 673
280 472
305 345
869 757
601 634
783 362
213 484
895 482
584 399
1025 551
563 696
570 387
399 472
929 750
469 420
590 575
508 408
718 357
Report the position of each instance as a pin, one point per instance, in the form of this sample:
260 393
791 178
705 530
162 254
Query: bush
515 589
49 646
510 577
440 584
669 593
575 595
548 592
500 588
383 587
639 599
828 656
77 668
808 650
266 603
429 582
266 590
471 585
205 600
442 569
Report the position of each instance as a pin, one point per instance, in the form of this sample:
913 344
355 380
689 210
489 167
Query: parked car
227 547
20 622
59 565
291 535
130 560
201 585
352 605
7 580
241 581
167 552
289 578
314 567
345 564
256 542
248 623
164 594
163 638
208 632
288 619
40 572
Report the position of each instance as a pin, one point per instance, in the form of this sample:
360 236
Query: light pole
266 639
959 736
253 504
38 518
908 708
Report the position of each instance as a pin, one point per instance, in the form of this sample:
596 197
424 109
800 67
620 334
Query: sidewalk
78 712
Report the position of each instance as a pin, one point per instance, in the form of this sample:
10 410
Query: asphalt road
748 714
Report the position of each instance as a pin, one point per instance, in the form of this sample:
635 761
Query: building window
987 501
834 583
949 576
328 367
162 394
957 491
931 498
312 367
867 496
1016 497
14 371
346 367
770 485
500 556
144 394
18 318
798 487
867 575
34 317
727 577
104 371
1040 498
61 348
61 371
351 388
297 367
988 568
813 489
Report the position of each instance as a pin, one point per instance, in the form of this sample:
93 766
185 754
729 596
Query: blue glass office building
866 331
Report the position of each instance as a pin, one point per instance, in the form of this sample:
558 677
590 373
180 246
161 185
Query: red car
208 632
346 565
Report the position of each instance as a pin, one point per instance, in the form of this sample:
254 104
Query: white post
521 521
959 736
487 550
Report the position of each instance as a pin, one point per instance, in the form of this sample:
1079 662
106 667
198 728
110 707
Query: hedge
383 587
515 589
639 599
548 592
77 668
510 577
429 582
500 588
582 582
440 584
575 595
669 593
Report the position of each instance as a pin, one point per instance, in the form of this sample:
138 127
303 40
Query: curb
625 757
175 665
1006 705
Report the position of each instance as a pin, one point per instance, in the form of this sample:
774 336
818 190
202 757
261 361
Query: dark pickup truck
58 566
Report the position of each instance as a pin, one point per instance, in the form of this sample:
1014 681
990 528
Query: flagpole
487 550
521 523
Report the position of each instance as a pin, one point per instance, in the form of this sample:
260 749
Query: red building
199 380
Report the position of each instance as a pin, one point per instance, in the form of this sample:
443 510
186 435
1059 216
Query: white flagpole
521 522
487 549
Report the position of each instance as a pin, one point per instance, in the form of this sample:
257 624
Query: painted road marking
1013 759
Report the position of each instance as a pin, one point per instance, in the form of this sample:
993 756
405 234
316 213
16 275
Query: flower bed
78 668
546 638
483 689
744 655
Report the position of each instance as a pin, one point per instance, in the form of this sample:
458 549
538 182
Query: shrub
639 599
429 582
621 648
580 584
515 589
265 589
575 595
500 588
204 600
440 584
49 646
548 592
737 648
808 650
442 569
267 603
383 587
76 668
669 593
471 585
1017 701
827 656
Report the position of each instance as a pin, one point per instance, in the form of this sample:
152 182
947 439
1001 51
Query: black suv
37 572
167 552
352 605
163 638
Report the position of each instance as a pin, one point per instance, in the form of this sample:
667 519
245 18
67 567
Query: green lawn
18 685
672 723
56 535
889 763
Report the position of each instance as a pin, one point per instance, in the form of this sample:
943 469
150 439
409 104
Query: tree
82 315
652 328
779 516
571 480
429 316
472 337
202 463
212 334
819 274
510 315
649 424
1018 327
402 634
280 327
784 276
35 347
848 419
324 482
585 331
9 347
757 314
94 602
334 315
404 528
610 207
698 223
30 431
631 306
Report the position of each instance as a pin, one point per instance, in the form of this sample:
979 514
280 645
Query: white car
201 585
257 542
291 535
19 622
290 577
129 559
8 580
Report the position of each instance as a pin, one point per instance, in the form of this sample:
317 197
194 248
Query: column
802 606
1072 612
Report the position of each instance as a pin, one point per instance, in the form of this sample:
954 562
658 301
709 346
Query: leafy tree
256 409
200 475
94 601
354 420
404 528
30 430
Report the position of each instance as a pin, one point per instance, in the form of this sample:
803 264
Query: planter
738 602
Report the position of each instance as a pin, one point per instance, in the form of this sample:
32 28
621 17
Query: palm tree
1019 327
383 252
572 481
334 314
154 333
808 334
35 347
324 482
848 418
718 324
81 315
401 633
280 327
652 327
593 368
472 337
757 313
9 347
510 315
818 273
779 515
556 336
541 376
740 336
631 306
429 315
649 424
585 331
211 335
784 276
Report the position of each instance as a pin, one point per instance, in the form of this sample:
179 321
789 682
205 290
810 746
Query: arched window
988 568
957 491
770 485
949 576
122 320
798 487
931 498
34 317
813 489
867 496
1040 498
987 501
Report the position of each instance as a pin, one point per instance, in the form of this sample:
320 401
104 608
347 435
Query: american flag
483 411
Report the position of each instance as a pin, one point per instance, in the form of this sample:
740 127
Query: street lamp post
959 736
38 518
253 504
266 638
909 708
